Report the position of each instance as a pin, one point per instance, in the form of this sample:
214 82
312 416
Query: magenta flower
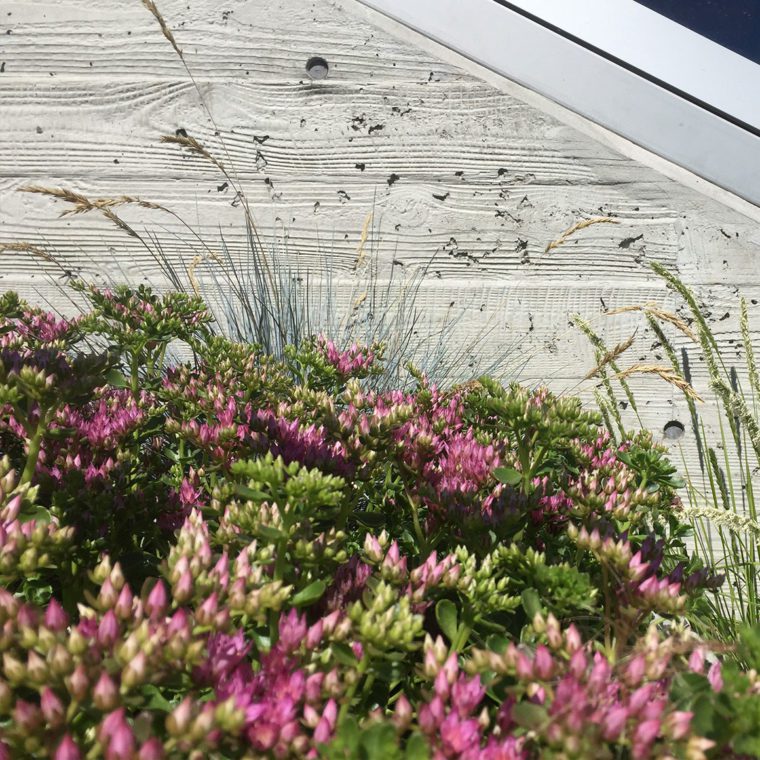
120 741
326 725
458 735
348 583
613 722
292 631
715 676
67 749
227 667
157 601
108 629
643 738
105 695
56 618
678 724
151 750
52 707
356 360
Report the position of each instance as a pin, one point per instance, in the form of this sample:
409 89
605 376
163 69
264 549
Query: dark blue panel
734 24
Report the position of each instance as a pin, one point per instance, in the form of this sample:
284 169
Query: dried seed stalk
82 204
191 275
581 225
667 374
611 355
153 8
754 377
195 147
360 253
28 248
601 350
707 340
119 222
654 310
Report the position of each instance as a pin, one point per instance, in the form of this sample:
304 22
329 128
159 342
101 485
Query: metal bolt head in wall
317 67
673 430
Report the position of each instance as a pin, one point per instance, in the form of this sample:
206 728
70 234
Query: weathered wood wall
452 167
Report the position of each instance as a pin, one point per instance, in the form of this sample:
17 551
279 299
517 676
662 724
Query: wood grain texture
462 179
271 40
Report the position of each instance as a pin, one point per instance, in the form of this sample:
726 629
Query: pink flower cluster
246 556
307 444
449 718
136 310
417 583
125 642
35 327
355 360
95 432
582 701
639 586
280 701
606 487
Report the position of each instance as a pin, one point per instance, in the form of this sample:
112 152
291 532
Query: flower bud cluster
638 585
308 534
595 494
584 705
127 649
26 545
384 620
102 664
356 361
219 585
483 584
126 313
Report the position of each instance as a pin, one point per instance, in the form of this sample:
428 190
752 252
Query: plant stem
523 454
462 635
279 562
368 683
416 521
135 376
35 444
273 628
351 693
607 608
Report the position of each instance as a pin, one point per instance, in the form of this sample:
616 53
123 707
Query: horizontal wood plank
262 39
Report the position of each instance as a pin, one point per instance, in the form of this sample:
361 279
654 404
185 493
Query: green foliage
297 490
562 588
252 554
730 715
379 741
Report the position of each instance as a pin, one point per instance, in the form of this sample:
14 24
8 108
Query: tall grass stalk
720 499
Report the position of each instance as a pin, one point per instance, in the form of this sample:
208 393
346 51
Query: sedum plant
243 556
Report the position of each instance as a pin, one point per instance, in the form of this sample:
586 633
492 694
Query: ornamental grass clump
243 556
720 488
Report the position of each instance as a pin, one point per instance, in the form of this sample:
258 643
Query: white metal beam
542 60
